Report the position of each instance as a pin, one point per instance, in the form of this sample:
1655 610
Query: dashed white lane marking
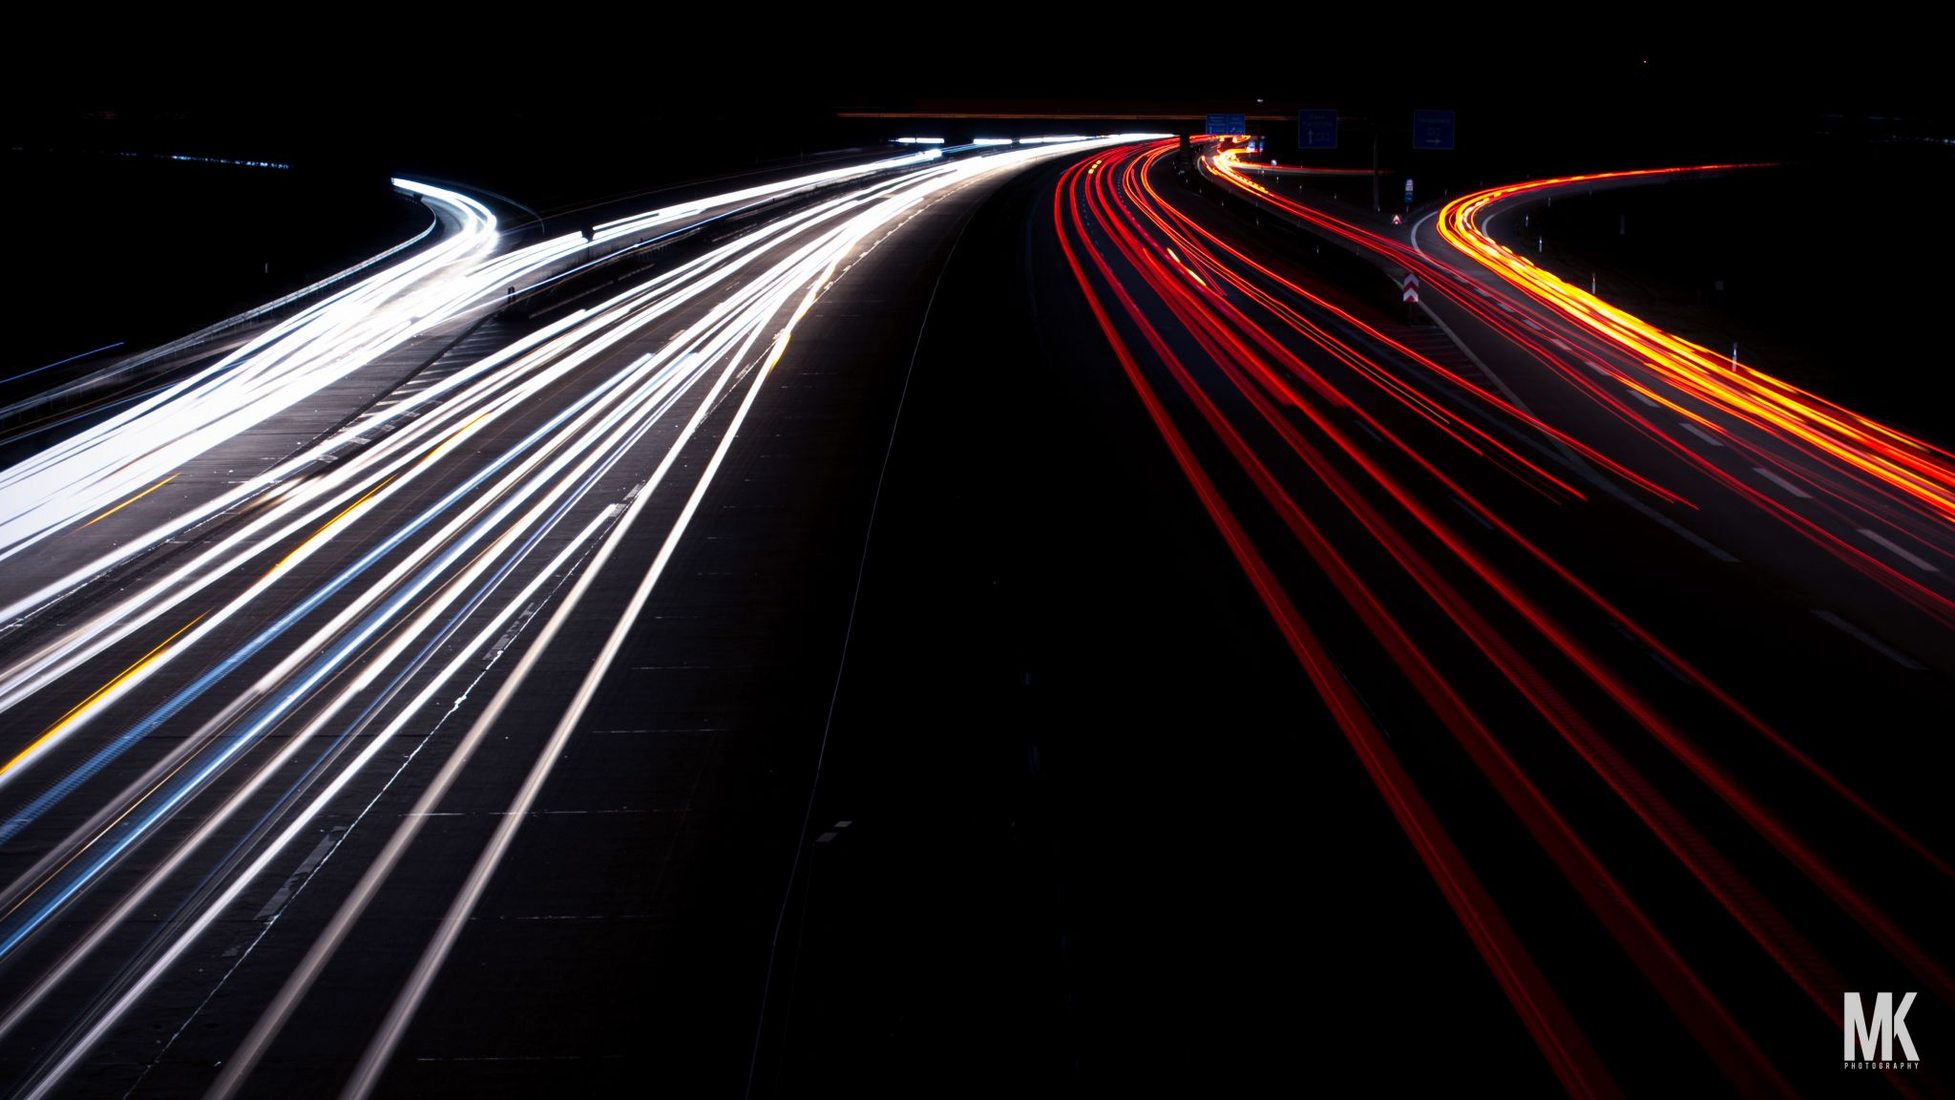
1866 639
1474 512
1574 460
1912 559
1780 482
1702 434
292 881
1598 368
1644 398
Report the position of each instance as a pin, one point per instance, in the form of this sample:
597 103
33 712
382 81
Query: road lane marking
1912 559
131 500
1781 482
1867 639
1575 461
1474 512
1701 434
301 873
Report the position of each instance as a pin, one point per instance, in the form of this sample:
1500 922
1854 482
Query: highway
1538 561
999 620
1822 497
296 645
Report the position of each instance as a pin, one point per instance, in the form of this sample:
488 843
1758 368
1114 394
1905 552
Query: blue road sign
1432 129
1226 124
1408 190
1316 129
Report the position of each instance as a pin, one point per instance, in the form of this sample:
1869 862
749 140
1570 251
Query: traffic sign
1316 129
1226 124
1432 129
1408 288
1408 190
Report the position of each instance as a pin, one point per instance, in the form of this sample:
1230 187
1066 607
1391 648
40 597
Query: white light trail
358 556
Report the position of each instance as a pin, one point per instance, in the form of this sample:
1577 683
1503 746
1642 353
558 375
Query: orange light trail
1920 470
1223 349
1895 482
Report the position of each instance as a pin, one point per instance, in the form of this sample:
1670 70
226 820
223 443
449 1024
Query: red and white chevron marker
1409 288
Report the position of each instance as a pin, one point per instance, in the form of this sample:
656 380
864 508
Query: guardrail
101 378
566 287
1347 263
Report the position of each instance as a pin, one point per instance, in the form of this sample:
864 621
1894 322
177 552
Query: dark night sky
575 105
341 76
568 106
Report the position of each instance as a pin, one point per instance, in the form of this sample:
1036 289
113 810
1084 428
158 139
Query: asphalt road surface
295 645
1026 621
1649 745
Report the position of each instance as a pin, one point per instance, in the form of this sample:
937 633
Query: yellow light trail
326 528
81 708
130 501
1920 471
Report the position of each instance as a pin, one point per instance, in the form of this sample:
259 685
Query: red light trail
1317 442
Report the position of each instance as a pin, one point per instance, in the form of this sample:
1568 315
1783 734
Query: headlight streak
431 568
525 478
297 826
813 271
373 1063
1111 221
289 362
616 319
295 359
82 707
121 685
